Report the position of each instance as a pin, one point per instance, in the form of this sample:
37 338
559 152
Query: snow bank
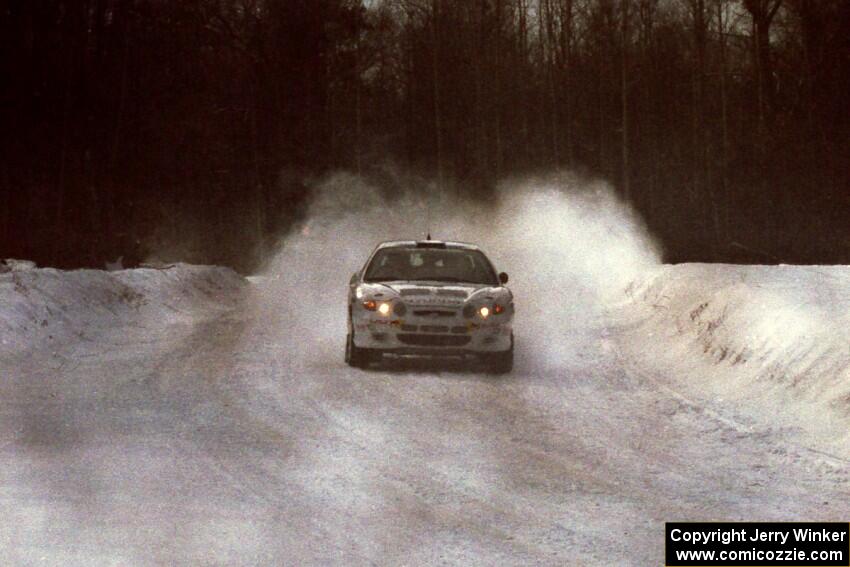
48 305
771 340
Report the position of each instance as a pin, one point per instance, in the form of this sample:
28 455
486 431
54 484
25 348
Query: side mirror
353 279
503 278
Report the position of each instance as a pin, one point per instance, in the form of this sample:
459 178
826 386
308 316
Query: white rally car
430 298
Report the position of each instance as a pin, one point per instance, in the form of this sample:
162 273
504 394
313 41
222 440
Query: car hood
434 293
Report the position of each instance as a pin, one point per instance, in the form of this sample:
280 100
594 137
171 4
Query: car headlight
384 308
483 311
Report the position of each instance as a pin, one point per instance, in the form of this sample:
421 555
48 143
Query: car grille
458 330
434 329
433 313
434 340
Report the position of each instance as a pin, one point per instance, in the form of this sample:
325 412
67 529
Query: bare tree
625 17
722 17
438 112
762 13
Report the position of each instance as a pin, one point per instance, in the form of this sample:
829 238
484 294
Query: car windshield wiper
392 278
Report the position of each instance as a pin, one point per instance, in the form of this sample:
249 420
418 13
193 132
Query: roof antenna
429 236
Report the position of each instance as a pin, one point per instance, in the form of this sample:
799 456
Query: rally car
430 298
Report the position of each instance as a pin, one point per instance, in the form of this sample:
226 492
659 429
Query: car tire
501 362
355 356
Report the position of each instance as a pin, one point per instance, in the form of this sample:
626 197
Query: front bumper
453 336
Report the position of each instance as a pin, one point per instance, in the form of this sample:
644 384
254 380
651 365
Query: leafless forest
128 123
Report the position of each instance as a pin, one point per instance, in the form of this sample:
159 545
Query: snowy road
185 416
233 436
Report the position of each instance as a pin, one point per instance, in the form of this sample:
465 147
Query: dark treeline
134 125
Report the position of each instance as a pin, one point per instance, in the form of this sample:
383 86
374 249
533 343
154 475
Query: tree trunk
261 199
438 120
480 150
724 121
602 149
358 111
6 212
624 96
498 91
550 61
652 129
73 52
762 13
121 23
410 107
525 121
701 170
567 59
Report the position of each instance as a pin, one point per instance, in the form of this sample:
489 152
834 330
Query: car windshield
431 264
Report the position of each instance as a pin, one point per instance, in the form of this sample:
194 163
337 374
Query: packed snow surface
46 306
189 416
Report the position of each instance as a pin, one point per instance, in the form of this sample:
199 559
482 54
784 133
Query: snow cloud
570 246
